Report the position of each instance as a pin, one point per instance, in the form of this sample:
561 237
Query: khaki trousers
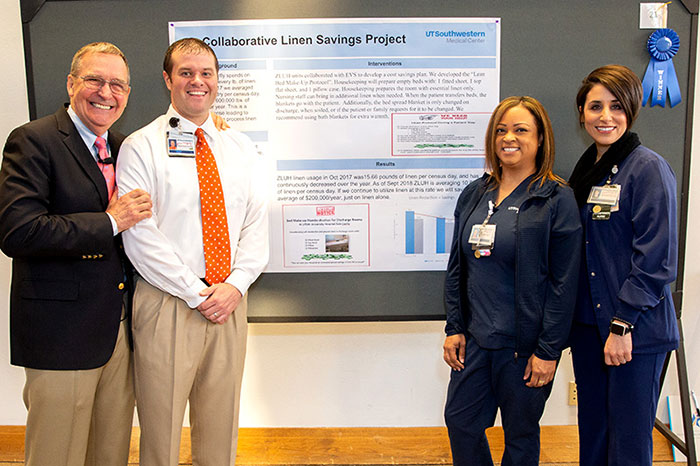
83 417
181 356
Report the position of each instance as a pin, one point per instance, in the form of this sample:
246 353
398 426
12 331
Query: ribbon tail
648 82
658 95
674 89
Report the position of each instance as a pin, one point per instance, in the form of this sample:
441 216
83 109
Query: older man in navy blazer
60 220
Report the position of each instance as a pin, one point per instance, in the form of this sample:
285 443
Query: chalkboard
548 47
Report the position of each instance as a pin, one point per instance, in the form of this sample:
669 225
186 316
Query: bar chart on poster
427 234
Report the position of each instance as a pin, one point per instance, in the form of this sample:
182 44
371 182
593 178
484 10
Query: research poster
371 128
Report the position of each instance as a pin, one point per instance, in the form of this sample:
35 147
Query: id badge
608 194
180 144
482 236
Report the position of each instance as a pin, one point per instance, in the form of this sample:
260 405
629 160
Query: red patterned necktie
217 247
107 169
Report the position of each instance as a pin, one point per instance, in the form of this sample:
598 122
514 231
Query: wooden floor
352 446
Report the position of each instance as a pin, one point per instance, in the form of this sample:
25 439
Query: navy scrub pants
616 404
493 379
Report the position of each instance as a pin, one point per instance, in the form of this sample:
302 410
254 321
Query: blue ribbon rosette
660 75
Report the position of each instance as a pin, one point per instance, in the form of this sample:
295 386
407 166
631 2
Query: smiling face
603 117
98 109
517 140
193 84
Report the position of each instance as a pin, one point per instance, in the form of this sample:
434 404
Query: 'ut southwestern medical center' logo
457 36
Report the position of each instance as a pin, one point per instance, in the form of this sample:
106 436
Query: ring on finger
216 314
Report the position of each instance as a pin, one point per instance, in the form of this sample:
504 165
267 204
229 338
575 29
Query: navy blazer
68 269
630 260
548 244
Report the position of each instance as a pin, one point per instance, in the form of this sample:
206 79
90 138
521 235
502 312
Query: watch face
618 329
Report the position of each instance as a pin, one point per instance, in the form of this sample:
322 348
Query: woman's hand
539 371
454 351
618 349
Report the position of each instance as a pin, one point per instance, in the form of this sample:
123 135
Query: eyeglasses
117 86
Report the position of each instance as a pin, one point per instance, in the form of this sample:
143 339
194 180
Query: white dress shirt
167 249
89 140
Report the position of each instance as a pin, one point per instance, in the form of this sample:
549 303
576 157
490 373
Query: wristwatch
621 329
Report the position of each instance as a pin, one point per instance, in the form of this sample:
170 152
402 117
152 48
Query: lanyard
490 213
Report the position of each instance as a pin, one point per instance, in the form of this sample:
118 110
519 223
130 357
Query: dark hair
187 45
544 160
621 82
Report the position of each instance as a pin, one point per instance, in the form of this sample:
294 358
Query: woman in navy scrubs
510 288
624 322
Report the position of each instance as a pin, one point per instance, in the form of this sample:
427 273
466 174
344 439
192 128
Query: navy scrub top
491 279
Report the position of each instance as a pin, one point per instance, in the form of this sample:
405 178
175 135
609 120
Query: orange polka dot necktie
217 247
107 169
